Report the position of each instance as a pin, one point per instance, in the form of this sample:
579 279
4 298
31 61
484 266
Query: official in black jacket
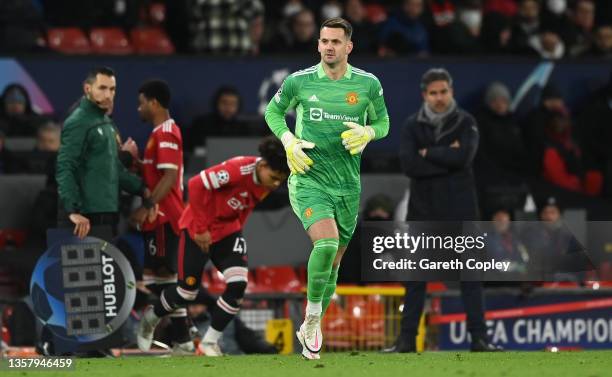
438 146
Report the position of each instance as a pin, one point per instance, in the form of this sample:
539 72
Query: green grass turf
355 364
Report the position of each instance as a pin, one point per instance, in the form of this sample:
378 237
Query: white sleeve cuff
167 166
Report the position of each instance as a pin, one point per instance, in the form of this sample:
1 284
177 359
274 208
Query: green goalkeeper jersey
322 105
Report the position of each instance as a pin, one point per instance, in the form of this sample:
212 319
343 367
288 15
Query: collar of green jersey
321 72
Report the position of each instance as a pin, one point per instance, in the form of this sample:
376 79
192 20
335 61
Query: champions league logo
270 85
83 292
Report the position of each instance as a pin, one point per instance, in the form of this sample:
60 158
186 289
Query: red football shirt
164 150
222 197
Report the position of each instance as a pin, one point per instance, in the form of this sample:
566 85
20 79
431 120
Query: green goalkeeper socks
320 268
330 288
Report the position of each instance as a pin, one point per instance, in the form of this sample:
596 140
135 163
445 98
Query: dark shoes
483 345
401 346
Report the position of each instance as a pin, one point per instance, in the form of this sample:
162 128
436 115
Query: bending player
334 103
162 168
220 200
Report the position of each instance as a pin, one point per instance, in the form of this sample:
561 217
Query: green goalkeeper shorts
312 204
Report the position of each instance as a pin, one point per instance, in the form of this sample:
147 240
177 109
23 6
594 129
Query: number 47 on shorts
240 246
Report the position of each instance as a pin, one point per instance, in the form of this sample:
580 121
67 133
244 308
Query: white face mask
291 9
471 18
557 6
330 11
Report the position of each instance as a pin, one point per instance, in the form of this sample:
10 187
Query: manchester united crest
352 98
308 212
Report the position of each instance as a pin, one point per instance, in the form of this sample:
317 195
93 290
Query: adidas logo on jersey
313 98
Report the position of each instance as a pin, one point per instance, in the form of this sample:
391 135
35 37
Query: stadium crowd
551 29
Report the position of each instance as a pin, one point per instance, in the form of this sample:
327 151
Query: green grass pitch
354 364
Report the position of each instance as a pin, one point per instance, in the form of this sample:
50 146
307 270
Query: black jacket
502 143
442 184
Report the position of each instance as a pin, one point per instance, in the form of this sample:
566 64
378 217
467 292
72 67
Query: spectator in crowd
501 140
291 8
43 157
301 36
496 32
552 248
21 27
504 243
330 9
548 44
48 138
464 34
580 33
602 48
501 168
526 26
555 15
40 160
595 134
363 30
224 120
256 33
17 118
551 102
405 32
442 12
562 163
378 207
213 27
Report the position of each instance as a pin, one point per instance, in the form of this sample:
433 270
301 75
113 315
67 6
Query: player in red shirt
162 168
220 200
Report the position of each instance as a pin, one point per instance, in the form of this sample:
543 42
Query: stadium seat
376 13
560 285
278 279
367 320
252 286
111 41
68 40
374 329
301 272
336 327
151 41
12 238
216 284
436 286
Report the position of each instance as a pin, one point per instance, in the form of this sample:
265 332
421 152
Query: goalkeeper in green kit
340 109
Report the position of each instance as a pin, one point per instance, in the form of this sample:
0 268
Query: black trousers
414 300
100 219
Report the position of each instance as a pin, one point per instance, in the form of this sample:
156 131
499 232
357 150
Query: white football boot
146 329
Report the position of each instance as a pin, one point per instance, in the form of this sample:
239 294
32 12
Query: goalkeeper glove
356 139
297 160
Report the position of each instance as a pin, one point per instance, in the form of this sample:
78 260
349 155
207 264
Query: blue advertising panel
536 323
195 79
